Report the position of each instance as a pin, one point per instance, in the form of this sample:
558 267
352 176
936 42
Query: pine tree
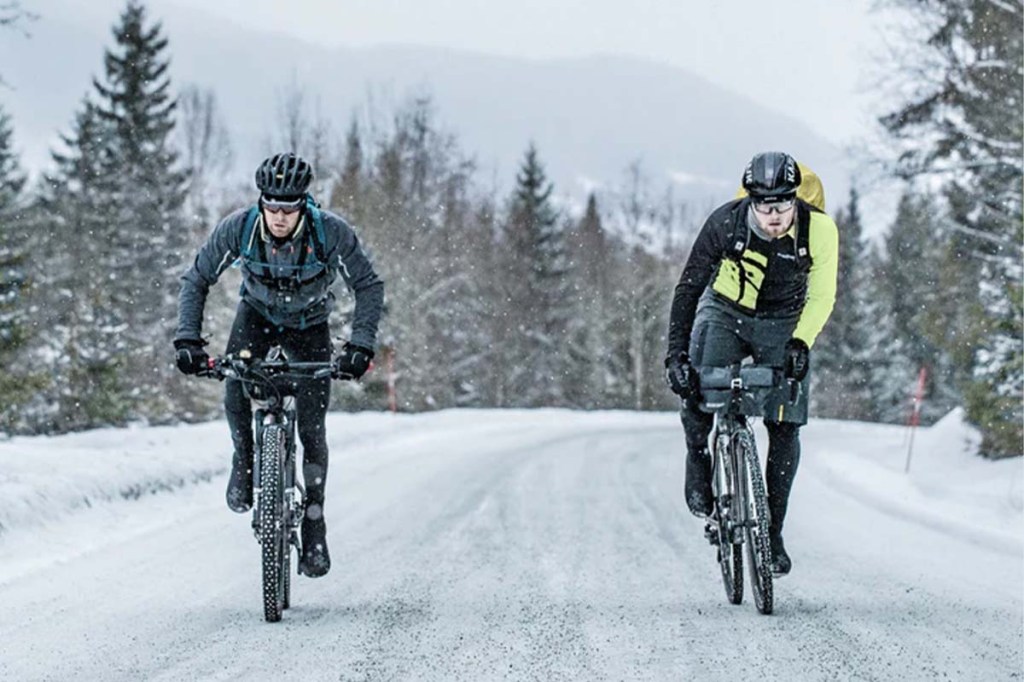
15 323
79 305
923 308
151 244
589 349
892 371
535 277
963 126
842 360
347 192
116 190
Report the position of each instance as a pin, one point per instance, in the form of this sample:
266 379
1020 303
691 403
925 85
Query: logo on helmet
779 175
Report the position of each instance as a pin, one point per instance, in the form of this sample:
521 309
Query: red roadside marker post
915 413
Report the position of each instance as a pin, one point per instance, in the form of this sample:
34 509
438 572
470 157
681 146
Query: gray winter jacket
287 295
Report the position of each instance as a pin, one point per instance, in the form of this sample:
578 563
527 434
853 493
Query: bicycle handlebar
234 367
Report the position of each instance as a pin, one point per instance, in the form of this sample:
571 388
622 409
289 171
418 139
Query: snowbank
949 487
46 479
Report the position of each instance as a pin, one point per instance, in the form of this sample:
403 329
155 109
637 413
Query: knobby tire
273 533
759 553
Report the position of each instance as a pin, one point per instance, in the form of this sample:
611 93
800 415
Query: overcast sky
806 57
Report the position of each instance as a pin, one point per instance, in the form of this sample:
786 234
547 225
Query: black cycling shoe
698 487
781 563
315 560
239 494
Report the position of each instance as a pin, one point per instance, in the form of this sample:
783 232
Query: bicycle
278 495
740 518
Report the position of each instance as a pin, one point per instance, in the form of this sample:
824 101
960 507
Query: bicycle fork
293 504
726 474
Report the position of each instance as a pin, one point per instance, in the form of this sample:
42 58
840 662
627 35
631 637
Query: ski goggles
286 206
768 207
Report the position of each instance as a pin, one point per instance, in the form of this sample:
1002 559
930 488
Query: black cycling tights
251 330
783 460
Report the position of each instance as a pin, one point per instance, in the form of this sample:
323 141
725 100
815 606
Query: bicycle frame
740 517
727 467
279 497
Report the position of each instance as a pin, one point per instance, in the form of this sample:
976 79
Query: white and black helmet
284 175
771 175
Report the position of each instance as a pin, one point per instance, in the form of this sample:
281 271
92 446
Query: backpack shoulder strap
317 218
803 235
739 232
248 232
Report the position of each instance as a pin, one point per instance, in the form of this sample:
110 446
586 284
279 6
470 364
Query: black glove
681 377
353 361
190 356
797 359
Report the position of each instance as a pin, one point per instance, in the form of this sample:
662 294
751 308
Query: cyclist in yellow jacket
761 282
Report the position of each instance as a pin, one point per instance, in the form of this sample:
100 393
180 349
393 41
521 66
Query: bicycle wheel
755 511
273 533
730 555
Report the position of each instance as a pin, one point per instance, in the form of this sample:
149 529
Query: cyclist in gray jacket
289 252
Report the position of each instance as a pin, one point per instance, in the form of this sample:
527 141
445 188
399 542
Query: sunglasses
278 206
768 207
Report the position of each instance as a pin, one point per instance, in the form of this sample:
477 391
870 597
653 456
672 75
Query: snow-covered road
487 545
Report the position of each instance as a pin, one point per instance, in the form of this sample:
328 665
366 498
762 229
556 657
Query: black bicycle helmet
284 175
771 175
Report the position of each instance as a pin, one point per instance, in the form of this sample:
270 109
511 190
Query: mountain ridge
590 116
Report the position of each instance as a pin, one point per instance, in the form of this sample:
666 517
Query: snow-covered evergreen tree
78 294
590 347
962 123
151 245
921 303
348 189
842 355
116 239
536 309
16 323
892 371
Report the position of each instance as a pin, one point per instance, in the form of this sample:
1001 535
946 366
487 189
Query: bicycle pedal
711 534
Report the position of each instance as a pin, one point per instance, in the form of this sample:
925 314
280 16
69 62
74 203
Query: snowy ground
487 545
